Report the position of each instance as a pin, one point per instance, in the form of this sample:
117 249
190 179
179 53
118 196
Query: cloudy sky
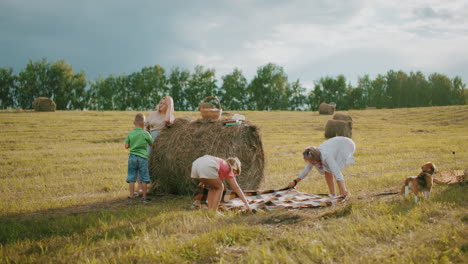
308 38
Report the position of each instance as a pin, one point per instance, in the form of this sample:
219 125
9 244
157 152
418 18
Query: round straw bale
44 104
338 128
344 117
178 146
326 109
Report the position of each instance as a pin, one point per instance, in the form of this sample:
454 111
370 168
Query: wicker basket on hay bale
326 109
336 128
178 146
208 110
44 104
343 117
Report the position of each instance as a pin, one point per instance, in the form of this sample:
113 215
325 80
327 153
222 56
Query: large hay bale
338 128
185 141
343 117
326 109
44 104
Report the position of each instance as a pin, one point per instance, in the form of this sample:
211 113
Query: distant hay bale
343 117
326 109
338 128
44 104
185 141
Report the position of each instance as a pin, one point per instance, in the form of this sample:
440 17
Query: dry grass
64 194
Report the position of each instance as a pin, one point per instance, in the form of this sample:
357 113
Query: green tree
233 92
31 83
396 94
329 89
418 90
297 96
458 95
355 98
56 81
7 88
178 83
145 88
378 96
202 83
268 89
441 87
365 83
64 86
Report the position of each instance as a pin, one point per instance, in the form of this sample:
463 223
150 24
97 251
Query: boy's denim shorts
137 164
154 134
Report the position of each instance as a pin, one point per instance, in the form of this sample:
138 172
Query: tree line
269 89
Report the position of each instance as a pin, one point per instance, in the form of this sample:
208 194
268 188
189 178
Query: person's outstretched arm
233 182
301 175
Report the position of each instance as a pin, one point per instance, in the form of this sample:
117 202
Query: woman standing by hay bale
335 128
343 117
44 104
181 144
326 109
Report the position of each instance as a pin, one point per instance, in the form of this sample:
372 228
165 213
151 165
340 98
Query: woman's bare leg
331 185
215 193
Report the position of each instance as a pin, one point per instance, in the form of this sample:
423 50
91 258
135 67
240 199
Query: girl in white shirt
329 158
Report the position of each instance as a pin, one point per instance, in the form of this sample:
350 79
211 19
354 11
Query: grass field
62 178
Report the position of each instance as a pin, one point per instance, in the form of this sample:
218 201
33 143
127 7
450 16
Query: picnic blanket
288 198
451 177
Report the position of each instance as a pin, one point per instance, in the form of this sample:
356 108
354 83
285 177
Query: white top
157 120
335 153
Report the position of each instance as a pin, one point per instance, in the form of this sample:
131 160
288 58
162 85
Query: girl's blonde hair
312 153
235 164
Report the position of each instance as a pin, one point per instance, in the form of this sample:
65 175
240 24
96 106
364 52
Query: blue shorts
154 134
137 165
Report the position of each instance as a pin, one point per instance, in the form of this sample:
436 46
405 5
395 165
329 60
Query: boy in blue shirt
137 140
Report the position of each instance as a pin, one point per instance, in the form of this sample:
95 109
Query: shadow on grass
456 194
453 194
78 219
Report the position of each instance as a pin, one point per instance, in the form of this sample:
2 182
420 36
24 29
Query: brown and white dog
420 185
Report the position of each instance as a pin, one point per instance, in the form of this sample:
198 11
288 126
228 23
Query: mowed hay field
63 194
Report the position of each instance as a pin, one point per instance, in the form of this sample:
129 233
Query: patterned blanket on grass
288 198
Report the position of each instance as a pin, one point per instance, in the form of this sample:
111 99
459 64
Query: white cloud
310 39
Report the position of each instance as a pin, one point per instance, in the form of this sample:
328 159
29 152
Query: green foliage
268 90
54 80
201 84
7 88
233 92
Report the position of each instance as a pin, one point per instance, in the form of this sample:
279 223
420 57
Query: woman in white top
329 158
162 116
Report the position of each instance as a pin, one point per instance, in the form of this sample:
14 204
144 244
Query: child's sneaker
146 200
130 199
